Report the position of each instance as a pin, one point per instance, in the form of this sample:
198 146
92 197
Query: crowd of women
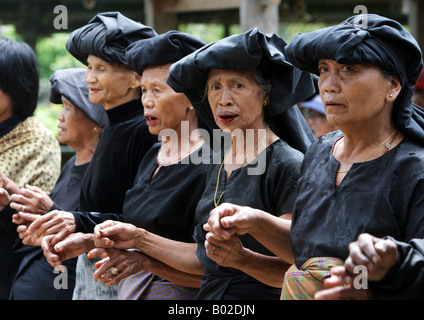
196 175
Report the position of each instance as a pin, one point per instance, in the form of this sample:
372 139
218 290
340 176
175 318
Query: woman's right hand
229 219
114 234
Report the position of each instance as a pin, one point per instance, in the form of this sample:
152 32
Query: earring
133 86
266 101
391 95
95 128
190 108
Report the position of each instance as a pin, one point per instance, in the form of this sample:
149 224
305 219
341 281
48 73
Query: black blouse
274 191
166 204
122 145
384 196
35 276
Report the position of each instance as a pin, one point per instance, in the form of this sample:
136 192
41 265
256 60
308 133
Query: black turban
107 36
369 39
248 51
71 84
165 48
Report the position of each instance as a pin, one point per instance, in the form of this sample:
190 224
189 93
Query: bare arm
272 232
179 255
231 253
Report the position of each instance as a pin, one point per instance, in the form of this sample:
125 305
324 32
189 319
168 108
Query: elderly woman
29 152
168 185
123 143
80 124
251 91
368 176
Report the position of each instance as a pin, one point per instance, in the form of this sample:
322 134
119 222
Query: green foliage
52 55
47 114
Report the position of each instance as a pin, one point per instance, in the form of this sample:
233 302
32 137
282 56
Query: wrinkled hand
114 234
377 255
28 238
127 263
59 223
31 200
72 246
340 287
228 219
227 253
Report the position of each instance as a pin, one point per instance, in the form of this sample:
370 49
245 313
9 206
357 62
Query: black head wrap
107 36
248 51
165 48
71 84
369 39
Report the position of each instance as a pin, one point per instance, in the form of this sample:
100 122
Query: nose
90 76
329 82
226 98
146 99
60 116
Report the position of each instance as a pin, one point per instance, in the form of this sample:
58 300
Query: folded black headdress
247 51
107 36
71 84
165 48
369 39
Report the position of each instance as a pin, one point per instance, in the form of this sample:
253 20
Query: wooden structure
34 18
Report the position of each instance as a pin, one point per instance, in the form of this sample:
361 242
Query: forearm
269 270
179 255
274 233
173 275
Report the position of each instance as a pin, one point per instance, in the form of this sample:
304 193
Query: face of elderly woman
74 125
356 94
109 84
236 99
163 107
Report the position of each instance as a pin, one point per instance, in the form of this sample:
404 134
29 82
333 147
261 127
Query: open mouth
150 119
227 117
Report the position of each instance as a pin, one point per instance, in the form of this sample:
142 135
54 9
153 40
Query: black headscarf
107 36
369 39
247 51
165 48
71 84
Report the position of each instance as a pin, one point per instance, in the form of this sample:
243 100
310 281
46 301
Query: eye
347 68
143 90
238 85
214 86
322 69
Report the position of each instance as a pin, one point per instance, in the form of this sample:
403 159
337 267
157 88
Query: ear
137 79
394 89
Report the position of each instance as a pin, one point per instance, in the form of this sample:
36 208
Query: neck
84 152
176 147
119 101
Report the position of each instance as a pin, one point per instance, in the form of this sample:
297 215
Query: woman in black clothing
168 185
80 124
368 176
123 143
250 92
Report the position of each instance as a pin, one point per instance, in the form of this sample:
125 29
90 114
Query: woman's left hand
227 253
31 200
125 263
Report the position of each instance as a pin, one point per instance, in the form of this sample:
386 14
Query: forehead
91 59
156 73
223 74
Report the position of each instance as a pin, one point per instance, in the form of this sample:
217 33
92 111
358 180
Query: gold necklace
216 202
388 145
